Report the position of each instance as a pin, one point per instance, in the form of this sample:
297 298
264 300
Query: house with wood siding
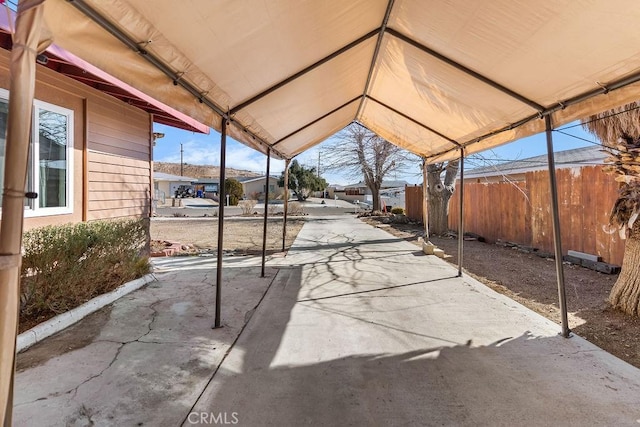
515 170
91 148
166 184
362 194
253 187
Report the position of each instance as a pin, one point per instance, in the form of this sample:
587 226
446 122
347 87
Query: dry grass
241 235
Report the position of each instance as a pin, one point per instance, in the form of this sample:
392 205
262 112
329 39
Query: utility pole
318 163
181 167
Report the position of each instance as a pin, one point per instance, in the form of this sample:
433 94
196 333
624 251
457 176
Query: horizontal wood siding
117 190
521 212
119 151
118 139
119 129
139 212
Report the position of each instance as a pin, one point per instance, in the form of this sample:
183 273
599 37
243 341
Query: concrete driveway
352 327
368 331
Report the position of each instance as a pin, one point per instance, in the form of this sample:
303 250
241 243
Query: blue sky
202 149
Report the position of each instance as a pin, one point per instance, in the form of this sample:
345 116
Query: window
50 164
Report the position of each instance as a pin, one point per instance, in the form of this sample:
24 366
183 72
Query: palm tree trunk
625 294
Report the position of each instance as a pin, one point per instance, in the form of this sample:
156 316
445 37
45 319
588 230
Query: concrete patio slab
145 359
369 331
352 327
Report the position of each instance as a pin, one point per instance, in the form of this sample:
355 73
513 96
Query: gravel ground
531 281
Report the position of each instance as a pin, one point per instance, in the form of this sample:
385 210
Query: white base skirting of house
64 320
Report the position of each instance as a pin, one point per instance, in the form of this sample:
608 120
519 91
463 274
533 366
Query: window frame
33 209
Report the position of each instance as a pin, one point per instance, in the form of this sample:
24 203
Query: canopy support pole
221 199
461 215
557 240
22 85
266 213
286 203
425 201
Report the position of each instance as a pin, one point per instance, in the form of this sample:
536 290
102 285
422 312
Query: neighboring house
254 187
334 190
165 184
91 156
210 186
393 197
516 170
361 192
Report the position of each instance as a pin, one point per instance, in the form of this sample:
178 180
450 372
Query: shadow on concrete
386 288
327 347
520 380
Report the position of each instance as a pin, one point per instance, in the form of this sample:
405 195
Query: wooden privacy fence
521 212
413 202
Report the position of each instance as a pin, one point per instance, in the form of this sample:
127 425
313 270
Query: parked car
184 191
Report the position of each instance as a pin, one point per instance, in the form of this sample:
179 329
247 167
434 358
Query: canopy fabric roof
73 67
431 76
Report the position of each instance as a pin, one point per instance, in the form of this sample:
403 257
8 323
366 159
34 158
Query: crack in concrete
74 390
115 357
154 316
31 401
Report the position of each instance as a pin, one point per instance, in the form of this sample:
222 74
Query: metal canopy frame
376 52
541 112
266 213
381 31
313 122
461 215
286 204
13 192
411 119
557 238
173 75
222 192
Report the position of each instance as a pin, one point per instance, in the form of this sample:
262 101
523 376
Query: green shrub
233 188
65 266
397 211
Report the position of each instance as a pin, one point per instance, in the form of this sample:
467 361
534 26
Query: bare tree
619 130
359 152
441 183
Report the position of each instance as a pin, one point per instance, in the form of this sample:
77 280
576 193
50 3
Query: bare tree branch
362 154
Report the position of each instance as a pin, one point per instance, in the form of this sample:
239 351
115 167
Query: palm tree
619 131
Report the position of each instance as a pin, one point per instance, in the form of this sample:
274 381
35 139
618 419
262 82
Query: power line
542 162
581 139
600 118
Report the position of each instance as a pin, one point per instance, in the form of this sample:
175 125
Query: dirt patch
242 236
531 281
72 338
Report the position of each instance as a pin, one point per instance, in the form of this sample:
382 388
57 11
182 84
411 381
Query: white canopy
430 76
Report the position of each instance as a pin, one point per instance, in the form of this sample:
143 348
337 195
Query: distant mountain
200 171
